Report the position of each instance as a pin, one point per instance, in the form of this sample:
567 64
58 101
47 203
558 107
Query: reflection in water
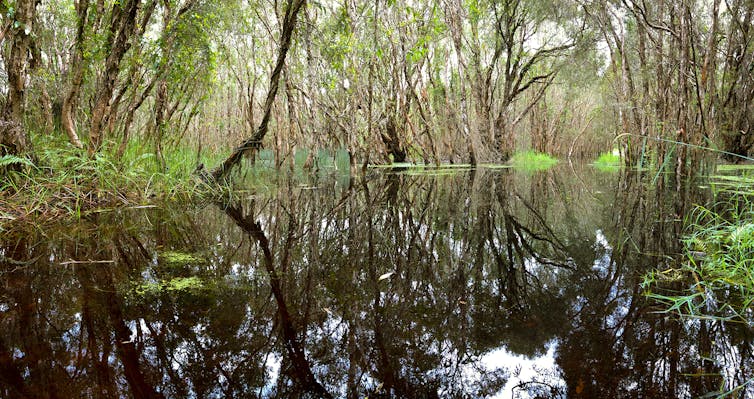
474 284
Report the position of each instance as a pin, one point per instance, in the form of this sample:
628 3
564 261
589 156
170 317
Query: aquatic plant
175 284
718 265
607 161
532 161
67 182
715 279
177 259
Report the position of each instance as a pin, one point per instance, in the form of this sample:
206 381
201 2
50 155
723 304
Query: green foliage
12 160
719 261
608 162
179 259
475 9
192 55
532 161
66 182
176 284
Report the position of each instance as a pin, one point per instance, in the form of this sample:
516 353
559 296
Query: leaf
385 276
6 160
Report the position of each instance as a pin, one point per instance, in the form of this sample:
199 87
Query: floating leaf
385 276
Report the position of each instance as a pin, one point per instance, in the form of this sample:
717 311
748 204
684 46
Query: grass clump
64 181
718 270
607 162
532 161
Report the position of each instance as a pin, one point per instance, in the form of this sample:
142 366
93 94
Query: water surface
463 283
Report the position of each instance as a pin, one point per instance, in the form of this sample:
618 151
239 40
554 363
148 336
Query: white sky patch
235 268
532 265
521 369
602 240
604 52
272 364
530 369
602 264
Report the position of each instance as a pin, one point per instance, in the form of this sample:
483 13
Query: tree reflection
300 368
395 286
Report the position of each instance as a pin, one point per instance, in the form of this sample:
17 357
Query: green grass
607 162
65 181
735 168
532 161
495 166
717 269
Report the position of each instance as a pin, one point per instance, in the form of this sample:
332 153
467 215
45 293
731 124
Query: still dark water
454 284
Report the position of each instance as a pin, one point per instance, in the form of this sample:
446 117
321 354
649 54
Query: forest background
433 81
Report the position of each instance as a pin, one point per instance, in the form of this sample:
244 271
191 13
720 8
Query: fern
7 160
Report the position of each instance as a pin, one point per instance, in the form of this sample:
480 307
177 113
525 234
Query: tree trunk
121 30
392 141
77 75
69 104
17 63
13 138
254 142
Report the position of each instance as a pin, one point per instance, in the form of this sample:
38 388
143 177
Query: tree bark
121 30
17 63
77 75
12 135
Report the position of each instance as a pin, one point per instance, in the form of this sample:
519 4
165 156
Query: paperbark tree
254 142
119 36
84 19
17 38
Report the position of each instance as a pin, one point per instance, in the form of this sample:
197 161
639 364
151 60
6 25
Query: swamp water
416 284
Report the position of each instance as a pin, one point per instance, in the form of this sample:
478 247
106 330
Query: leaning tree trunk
255 141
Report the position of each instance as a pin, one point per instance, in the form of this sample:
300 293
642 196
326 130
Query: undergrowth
715 280
716 276
64 181
607 162
532 161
